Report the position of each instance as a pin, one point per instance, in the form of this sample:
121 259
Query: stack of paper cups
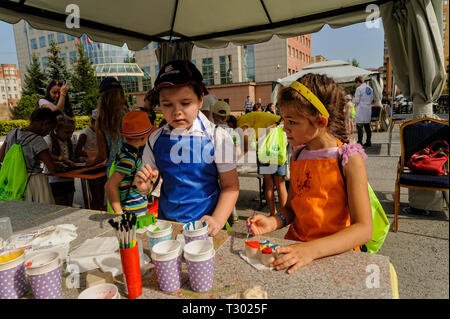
197 230
199 256
12 274
166 256
45 275
158 232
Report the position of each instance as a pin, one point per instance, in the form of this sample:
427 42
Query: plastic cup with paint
158 232
199 256
100 291
166 256
197 230
268 255
45 275
12 274
252 249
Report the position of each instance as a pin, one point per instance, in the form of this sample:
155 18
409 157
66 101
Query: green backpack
14 176
273 148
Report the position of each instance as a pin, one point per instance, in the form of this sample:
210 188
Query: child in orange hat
136 128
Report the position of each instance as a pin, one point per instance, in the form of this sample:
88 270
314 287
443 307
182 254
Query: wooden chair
415 135
391 117
376 116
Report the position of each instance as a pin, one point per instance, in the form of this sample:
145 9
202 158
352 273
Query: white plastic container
100 291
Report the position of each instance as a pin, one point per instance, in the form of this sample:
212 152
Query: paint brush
250 226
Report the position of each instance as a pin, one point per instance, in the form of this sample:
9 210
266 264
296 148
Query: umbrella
415 45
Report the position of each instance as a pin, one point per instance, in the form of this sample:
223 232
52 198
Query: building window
44 62
194 62
156 70
208 71
155 45
145 48
289 50
63 56
73 56
225 69
33 44
51 37
60 37
70 37
248 63
42 43
146 69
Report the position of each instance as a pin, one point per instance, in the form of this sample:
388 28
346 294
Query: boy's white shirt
221 140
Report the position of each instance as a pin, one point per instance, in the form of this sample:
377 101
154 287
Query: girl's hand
64 88
295 256
214 226
261 224
68 162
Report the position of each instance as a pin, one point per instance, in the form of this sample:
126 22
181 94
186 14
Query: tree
25 107
56 67
355 62
34 81
84 84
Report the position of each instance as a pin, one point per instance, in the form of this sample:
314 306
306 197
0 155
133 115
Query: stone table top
347 275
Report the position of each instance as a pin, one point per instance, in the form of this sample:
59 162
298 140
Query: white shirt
208 105
221 139
363 100
44 101
64 153
91 139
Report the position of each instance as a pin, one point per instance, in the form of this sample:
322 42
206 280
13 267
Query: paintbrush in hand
250 226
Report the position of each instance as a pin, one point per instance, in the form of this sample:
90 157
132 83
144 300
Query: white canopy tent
413 28
342 72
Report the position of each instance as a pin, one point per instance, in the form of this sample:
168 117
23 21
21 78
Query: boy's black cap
109 83
177 73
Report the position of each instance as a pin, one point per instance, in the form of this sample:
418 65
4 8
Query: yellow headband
307 94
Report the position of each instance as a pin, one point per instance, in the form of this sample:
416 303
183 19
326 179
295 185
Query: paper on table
256 263
110 263
93 247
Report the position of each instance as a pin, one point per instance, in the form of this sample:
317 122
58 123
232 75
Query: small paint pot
100 291
268 255
252 249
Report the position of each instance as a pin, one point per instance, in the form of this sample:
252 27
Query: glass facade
44 62
225 69
248 63
208 71
33 44
42 42
60 37
73 56
130 75
51 37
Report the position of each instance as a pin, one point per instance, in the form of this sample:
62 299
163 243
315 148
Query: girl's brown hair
68 110
328 92
110 107
61 122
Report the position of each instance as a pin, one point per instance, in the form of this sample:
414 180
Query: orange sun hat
136 124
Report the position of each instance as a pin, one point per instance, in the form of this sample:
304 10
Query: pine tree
56 67
84 84
34 81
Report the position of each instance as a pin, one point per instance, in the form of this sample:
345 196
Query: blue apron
190 188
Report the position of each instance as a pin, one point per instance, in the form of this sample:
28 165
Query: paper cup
166 256
100 291
45 275
267 256
199 256
12 275
164 233
197 230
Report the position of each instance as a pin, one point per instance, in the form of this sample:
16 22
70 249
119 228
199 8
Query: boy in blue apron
192 156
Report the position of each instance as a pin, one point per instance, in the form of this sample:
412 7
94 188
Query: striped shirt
128 162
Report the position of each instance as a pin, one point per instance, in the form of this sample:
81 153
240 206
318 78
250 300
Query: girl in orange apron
326 214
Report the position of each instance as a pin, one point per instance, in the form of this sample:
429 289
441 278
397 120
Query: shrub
81 122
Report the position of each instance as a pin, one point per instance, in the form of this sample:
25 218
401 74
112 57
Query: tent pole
391 122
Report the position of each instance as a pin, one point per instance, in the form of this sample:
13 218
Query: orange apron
319 200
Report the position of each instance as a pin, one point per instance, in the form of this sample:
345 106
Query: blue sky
354 41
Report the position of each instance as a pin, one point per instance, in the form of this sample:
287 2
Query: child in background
135 129
199 184
35 151
329 211
349 111
221 114
87 140
87 148
61 150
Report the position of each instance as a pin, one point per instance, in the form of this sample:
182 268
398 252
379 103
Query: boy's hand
144 178
295 256
261 224
214 226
